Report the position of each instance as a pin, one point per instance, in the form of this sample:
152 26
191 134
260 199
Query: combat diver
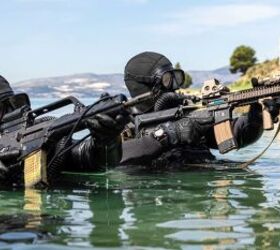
181 142
102 148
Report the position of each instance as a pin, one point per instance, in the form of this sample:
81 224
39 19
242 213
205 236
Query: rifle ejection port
222 115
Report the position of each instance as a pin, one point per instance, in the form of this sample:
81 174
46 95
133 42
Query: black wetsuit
91 156
148 151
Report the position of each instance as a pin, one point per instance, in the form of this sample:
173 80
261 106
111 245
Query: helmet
150 71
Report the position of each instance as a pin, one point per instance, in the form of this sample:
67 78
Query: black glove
186 130
273 106
104 127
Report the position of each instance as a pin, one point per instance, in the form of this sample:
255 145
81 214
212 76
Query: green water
137 210
133 209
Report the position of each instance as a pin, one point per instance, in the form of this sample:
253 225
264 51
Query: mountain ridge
83 85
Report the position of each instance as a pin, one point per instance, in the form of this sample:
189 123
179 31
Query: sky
43 38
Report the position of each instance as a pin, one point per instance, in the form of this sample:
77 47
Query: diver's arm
90 155
141 150
103 149
163 138
247 129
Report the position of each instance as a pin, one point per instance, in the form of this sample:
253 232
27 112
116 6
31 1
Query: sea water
135 209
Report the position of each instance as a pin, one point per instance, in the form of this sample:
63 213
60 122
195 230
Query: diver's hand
106 127
186 130
192 98
273 106
103 125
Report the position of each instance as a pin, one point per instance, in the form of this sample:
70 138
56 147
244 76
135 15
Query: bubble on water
158 201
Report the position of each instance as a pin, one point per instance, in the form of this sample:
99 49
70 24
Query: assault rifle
219 103
25 139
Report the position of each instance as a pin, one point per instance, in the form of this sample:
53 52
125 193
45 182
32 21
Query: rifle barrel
138 99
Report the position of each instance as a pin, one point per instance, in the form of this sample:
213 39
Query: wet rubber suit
148 150
102 149
99 151
185 141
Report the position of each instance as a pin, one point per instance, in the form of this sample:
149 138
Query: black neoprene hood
6 92
141 65
5 88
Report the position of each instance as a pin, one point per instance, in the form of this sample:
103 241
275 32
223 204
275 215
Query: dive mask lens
167 80
179 76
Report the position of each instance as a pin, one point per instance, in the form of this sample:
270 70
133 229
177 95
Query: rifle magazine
224 137
35 169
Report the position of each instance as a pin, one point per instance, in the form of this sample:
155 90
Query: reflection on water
175 210
180 210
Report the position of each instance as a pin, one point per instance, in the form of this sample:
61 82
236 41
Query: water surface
138 210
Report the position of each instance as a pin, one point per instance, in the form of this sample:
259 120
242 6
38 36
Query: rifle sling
246 164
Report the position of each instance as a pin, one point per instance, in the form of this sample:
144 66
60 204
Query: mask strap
140 78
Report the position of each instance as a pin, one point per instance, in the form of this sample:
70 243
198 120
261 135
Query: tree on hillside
188 78
178 66
242 58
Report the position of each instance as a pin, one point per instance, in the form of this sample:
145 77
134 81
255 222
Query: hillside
92 85
222 74
261 70
80 85
88 85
